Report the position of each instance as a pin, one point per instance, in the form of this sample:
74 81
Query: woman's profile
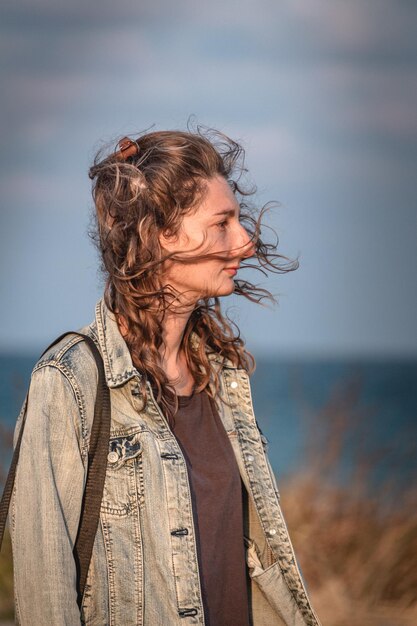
191 529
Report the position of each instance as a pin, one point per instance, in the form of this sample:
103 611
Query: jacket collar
118 364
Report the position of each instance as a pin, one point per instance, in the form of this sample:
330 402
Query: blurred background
323 96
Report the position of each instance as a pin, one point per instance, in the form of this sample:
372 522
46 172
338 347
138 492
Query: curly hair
148 193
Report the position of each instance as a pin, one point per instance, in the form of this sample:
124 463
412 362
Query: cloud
322 93
359 27
321 70
41 193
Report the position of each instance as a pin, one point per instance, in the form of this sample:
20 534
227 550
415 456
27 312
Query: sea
347 419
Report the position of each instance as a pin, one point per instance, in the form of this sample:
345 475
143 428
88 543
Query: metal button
265 441
272 532
187 612
233 384
250 457
179 532
112 457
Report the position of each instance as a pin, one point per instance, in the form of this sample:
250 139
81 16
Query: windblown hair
138 198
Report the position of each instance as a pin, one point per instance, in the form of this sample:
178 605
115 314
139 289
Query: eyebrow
225 212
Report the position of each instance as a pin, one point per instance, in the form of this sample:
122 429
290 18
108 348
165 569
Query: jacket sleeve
46 503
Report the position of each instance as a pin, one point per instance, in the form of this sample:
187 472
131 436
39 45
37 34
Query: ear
167 240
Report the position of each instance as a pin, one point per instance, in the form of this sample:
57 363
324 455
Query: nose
246 246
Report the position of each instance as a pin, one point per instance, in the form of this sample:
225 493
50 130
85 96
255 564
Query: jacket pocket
271 584
123 462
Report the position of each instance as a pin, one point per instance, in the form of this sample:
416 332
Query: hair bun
127 148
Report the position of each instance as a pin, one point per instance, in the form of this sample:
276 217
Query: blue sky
323 95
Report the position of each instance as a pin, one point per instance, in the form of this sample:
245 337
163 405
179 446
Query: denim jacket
144 569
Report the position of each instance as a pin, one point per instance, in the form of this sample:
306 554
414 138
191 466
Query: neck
173 360
173 327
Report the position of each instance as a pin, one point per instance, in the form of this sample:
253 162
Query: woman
191 530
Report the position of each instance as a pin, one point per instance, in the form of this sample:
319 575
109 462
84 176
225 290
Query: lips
231 270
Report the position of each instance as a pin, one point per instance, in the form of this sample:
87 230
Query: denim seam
138 557
16 598
55 357
105 525
270 470
67 346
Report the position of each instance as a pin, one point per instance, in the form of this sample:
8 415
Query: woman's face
213 227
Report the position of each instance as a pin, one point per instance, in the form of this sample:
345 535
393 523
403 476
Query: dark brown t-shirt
216 491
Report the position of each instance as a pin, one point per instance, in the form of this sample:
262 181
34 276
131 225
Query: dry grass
361 565
6 580
355 537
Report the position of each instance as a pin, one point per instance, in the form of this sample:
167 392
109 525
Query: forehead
218 198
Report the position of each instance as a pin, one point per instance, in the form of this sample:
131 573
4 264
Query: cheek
215 265
207 273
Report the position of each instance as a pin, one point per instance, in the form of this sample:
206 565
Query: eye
222 225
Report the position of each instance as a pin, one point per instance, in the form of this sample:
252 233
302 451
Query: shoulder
68 368
71 355
64 383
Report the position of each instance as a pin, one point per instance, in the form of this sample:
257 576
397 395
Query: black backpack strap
96 471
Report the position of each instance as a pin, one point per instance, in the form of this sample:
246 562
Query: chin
226 290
